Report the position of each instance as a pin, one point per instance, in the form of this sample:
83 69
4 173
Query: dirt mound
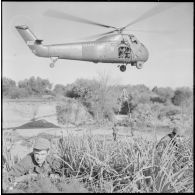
16 113
38 124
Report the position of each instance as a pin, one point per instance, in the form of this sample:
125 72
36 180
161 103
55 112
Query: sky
170 62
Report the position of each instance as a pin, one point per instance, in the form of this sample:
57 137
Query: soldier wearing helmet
173 137
37 162
114 131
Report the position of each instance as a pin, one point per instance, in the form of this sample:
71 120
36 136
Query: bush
164 94
59 90
158 99
71 111
8 86
18 93
143 114
95 96
139 93
35 86
63 111
169 112
181 95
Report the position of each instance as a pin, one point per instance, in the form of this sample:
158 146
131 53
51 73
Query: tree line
103 99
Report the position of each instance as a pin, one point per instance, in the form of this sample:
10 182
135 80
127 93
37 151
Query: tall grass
130 164
8 143
127 165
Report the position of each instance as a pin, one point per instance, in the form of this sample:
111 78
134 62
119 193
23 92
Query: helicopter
112 47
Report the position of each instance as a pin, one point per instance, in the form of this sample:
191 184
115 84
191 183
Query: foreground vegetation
99 164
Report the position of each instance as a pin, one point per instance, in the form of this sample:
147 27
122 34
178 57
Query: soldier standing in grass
37 162
132 126
115 131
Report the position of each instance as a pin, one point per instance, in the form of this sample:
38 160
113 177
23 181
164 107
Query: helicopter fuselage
96 51
119 48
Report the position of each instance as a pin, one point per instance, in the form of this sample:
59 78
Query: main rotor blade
62 15
155 10
99 35
150 31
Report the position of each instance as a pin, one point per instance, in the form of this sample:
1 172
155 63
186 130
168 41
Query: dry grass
131 164
128 165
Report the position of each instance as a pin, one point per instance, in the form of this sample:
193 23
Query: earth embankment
19 112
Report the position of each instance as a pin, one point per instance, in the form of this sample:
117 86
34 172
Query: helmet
41 144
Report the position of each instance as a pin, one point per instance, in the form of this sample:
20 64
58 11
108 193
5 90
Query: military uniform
174 138
115 132
168 138
28 164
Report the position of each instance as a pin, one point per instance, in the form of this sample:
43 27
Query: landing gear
53 59
139 65
133 63
51 65
122 68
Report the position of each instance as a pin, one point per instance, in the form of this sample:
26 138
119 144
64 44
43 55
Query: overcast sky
170 60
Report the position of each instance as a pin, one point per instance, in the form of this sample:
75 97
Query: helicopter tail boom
31 40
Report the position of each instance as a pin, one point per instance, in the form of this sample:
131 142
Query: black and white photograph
97 97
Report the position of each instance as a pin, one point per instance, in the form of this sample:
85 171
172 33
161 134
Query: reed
98 164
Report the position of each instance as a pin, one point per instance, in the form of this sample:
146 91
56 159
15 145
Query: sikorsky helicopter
112 47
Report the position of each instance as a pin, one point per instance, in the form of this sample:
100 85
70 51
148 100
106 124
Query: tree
128 106
137 94
18 93
36 86
59 90
164 94
104 101
81 89
143 114
140 93
8 86
95 95
84 90
181 95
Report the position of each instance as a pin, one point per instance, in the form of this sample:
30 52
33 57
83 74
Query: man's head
175 130
41 150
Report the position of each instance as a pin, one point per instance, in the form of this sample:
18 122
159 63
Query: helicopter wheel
122 68
139 65
53 61
51 65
